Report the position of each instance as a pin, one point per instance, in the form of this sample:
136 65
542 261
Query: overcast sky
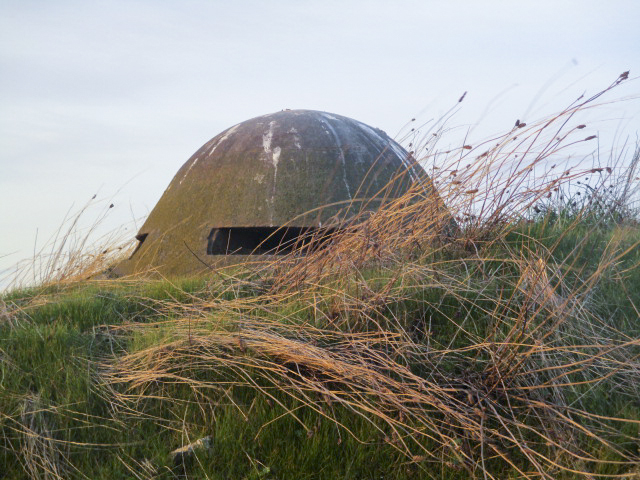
112 97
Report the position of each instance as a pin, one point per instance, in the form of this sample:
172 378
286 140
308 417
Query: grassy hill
504 346
444 369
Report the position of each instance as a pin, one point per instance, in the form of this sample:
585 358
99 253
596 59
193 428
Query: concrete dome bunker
263 184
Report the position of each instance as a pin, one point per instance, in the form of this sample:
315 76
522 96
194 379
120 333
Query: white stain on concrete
339 144
296 138
267 137
193 164
388 144
272 155
225 135
276 157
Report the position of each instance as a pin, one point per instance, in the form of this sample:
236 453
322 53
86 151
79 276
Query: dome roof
296 168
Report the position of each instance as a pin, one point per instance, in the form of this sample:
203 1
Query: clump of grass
39 452
606 196
76 252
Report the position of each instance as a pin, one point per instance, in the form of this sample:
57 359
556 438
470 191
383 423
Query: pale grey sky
114 96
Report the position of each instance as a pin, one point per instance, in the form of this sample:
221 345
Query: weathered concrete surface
300 168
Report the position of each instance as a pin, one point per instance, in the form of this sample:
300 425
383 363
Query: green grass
52 357
509 348
56 343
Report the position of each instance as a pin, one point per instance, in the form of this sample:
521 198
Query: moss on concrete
300 168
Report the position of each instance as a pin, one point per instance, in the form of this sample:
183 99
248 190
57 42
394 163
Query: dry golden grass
325 328
458 345
76 252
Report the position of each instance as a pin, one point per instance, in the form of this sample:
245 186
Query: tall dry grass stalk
76 252
39 452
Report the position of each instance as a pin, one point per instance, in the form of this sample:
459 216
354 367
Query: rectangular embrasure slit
265 240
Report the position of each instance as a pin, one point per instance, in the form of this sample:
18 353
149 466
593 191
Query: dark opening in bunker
141 237
265 240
